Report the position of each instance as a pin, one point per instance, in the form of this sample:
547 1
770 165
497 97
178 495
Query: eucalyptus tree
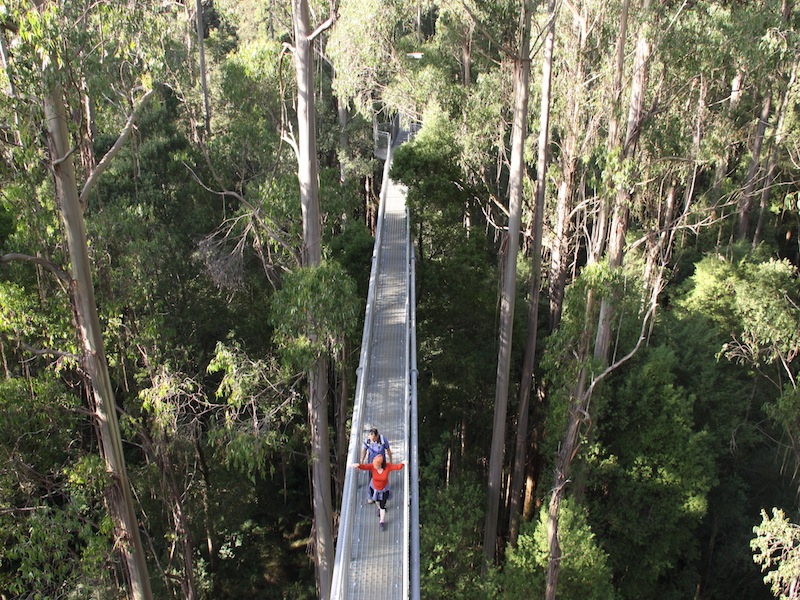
542 162
576 130
624 150
308 176
41 54
775 548
517 173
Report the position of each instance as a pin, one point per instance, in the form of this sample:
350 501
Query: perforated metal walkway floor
372 563
376 567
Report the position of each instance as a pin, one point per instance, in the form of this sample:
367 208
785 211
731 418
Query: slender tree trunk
12 91
775 154
658 240
562 232
201 48
344 144
517 173
521 454
746 201
600 229
567 452
341 422
768 178
120 499
321 475
466 54
619 218
580 405
183 532
307 174
205 490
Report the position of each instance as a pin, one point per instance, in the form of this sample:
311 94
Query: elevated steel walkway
371 563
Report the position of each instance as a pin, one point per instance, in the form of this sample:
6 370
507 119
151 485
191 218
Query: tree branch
48 352
60 273
101 166
326 25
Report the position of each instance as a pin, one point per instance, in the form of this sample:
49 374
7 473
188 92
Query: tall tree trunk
580 405
746 201
466 54
619 219
562 231
341 422
205 489
182 530
521 451
768 178
120 499
517 173
600 229
776 146
344 143
201 48
12 92
308 177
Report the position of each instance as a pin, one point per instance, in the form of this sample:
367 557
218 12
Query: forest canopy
604 201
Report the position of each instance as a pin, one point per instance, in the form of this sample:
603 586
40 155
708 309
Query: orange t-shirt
380 481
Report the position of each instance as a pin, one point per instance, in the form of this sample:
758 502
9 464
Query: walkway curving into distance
371 563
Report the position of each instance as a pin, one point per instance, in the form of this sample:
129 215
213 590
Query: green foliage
486 114
254 82
776 548
259 407
437 198
362 50
429 82
312 313
767 304
727 406
451 517
55 534
652 468
584 573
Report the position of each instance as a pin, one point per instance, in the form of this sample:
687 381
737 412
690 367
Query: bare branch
484 31
326 25
48 352
60 273
101 166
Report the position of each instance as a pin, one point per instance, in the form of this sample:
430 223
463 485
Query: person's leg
370 493
382 509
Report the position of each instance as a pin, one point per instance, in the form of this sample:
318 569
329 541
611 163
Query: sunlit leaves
361 48
756 302
585 571
259 404
312 313
776 548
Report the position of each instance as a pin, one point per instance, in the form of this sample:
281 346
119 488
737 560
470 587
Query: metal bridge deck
376 562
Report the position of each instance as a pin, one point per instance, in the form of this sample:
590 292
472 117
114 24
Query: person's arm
363 453
388 452
367 467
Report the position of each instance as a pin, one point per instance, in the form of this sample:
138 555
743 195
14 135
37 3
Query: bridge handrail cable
341 565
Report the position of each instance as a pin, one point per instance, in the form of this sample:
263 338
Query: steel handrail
341 565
